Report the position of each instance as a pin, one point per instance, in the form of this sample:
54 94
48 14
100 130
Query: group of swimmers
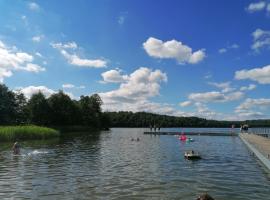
138 139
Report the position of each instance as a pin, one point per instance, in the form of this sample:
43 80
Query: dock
259 145
192 133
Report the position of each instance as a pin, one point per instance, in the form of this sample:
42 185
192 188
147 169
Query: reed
26 132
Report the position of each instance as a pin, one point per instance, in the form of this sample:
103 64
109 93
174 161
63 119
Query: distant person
132 139
16 148
205 197
138 139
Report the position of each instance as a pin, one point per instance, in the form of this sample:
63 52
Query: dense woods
60 110
142 119
57 110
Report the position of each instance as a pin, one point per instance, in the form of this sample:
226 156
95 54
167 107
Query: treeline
143 119
56 111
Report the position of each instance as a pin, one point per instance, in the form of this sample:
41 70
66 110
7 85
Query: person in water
16 148
205 197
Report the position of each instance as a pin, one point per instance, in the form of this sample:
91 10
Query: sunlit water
111 166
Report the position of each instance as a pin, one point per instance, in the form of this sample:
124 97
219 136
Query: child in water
16 148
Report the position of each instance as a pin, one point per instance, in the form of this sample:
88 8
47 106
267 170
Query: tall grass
27 132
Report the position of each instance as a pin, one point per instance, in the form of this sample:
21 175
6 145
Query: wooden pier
192 133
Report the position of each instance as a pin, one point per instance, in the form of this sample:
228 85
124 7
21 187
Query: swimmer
205 197
16 148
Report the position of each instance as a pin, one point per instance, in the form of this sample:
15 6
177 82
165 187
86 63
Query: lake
111 166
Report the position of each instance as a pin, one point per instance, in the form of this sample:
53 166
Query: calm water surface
111 166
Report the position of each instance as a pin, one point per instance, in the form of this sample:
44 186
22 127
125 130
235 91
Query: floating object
191 155
183 137
190 140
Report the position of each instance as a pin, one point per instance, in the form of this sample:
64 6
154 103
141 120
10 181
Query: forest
59 110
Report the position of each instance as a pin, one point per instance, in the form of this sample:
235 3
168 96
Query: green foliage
39 109
143 119
63 111
12 133
7 106
56 111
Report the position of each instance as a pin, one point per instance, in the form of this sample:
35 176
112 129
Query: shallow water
111 166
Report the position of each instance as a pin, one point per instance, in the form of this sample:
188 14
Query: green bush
27 132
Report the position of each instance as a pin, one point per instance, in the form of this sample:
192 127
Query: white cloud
30 67
251 103
68 85
215 96
30 90
234 46
258 6
71 86
173 49
113 76
261 38
11 59
185 103
134 94
38 54
250 87
74 59
225 86
37 38
68 45
261 75
223 50
33 6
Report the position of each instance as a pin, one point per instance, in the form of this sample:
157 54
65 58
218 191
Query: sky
203 58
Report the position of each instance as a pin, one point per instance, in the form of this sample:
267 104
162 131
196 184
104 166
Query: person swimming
205 197
16 148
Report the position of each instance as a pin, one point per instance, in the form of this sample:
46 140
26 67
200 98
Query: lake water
111 166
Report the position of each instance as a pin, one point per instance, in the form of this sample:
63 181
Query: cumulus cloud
30 90
261 75
33 6
215 96
261 38
251 103
250 87
74 59
113 76
173 49
135 92
11 59
258 6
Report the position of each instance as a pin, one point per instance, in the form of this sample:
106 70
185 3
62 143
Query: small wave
35 152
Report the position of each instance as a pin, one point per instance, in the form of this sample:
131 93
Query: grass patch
27 132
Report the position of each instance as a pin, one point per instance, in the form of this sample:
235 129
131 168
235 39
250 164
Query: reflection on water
111 166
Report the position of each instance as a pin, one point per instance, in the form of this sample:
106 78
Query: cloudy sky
202 58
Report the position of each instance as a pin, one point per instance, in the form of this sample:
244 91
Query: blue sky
186 58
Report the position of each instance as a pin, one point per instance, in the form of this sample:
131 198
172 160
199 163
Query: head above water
205 197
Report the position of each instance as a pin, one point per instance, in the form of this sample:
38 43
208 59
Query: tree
22 112
39 109
91 110
63 110
7 105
